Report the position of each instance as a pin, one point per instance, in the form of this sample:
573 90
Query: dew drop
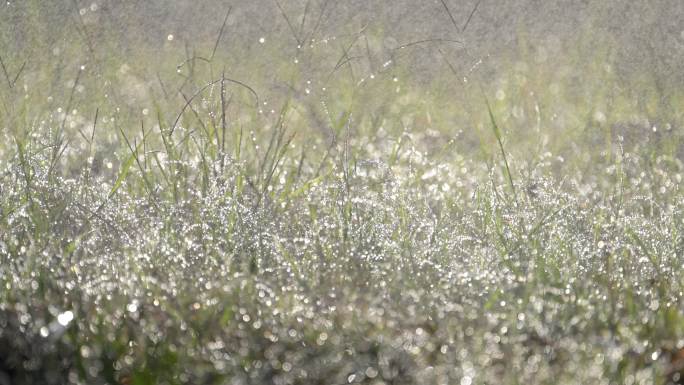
65 318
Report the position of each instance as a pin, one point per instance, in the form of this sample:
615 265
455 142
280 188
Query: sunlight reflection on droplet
65 318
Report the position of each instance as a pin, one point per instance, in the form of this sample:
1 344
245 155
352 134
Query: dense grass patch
164 221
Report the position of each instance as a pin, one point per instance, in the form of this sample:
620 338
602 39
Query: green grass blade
497 134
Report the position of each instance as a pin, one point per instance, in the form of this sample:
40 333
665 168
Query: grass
156 227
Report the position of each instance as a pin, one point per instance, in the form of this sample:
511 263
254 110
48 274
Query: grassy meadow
308 208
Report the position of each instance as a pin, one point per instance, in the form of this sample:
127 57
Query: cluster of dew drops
414 271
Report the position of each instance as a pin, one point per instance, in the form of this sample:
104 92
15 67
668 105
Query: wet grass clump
196 270
176 224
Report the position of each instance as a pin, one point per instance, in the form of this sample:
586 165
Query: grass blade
497 134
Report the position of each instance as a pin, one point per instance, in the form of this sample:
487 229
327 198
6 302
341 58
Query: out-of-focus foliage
312 193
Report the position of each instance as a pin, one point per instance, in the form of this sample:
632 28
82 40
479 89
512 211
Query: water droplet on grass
65 318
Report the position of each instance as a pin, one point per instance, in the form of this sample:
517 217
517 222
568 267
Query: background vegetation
317 193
